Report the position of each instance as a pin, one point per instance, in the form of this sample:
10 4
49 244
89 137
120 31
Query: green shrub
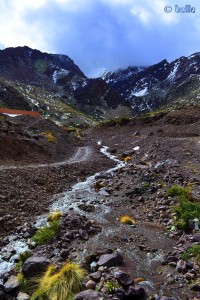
187 208
186 211
111 285
60 285
46 234
180 192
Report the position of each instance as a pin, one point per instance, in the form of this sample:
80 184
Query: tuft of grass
126 220
27 285
192 251
49 136
46 234
180 192
60 285
98 186
54 216
127 159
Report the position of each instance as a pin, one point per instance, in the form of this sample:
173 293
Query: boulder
123 278
181 266
195 287
96 276
89 295
196 238
34 266
90 285
110 260
135 291
11 284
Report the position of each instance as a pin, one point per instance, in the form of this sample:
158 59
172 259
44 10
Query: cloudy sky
102 34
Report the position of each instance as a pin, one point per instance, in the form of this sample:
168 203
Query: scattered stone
110 260
135 290
96 276
89 295
11 284
195 287
90 285
181 266
23 296
123 278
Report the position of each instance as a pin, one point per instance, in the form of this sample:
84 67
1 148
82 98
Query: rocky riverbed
146 259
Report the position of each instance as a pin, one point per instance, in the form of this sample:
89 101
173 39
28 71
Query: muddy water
114 235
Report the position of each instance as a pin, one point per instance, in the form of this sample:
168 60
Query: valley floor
166 153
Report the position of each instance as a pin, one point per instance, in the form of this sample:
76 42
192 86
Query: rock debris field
141 260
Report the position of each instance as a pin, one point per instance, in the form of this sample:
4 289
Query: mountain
54 85
148 88
51 76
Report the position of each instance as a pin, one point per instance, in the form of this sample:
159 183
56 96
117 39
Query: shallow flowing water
113 233
80 193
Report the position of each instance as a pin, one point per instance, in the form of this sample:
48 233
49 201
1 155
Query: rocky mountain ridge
57 76
55 85
148 88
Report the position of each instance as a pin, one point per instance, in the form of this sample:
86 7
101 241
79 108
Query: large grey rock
96 276
35 265
110 260
11 284
88 295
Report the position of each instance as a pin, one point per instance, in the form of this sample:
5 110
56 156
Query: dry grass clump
60 285
54 216
126 220
127 159
49 136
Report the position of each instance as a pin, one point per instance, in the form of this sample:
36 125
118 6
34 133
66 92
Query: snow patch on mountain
59 74
141 92
173 72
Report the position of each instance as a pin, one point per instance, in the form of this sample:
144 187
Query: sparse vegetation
98 186
46 234
192 251
49 135
27 285
126 220
127 159
187 209
114 122
180 192
111 285
60 285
